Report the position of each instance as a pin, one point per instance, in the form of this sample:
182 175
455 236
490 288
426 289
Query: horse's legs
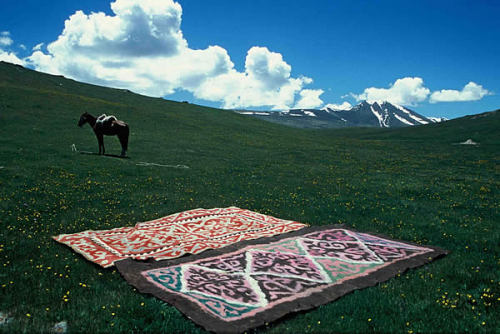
123 137
100 140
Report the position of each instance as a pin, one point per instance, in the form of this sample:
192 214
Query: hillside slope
481 128
409 184
52 105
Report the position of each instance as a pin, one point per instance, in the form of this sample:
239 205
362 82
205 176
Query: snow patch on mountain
332 107
401 119
406 111
309 113
381 120
259 113
438 119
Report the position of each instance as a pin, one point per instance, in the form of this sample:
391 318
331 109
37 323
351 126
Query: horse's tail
123 136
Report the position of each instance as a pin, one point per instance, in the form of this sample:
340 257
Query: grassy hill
481 128
410 184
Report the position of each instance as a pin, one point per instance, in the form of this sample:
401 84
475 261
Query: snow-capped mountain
372 114
383 114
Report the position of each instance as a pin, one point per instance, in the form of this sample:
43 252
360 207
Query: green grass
411 184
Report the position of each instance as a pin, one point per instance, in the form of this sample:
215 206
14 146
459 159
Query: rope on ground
74 149
146 164
142 163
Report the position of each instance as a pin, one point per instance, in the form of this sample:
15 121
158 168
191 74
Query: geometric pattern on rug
236 286
188 232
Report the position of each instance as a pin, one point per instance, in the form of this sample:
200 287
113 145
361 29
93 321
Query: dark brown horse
109 126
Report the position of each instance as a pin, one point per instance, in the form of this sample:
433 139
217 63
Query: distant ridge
381 114
24 89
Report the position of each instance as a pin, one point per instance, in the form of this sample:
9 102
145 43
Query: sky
438 58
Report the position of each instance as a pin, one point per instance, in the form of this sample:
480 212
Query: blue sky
440 58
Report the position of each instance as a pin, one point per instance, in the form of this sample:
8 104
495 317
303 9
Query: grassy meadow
410 184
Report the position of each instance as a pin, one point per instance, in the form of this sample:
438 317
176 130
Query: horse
109 126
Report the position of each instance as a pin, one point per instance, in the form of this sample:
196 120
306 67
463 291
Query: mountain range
381 114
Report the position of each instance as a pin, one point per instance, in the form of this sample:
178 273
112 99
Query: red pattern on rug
187 232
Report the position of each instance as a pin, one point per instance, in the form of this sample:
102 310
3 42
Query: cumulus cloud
146 28
470 92
10 57
405 91
267 67
5 55
265 82
343 106
309 98
38 47
141 47
5 39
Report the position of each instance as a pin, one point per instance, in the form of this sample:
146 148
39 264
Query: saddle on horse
105 121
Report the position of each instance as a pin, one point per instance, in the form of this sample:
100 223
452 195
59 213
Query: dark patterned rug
247 284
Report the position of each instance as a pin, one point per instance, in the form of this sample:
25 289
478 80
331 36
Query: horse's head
83 119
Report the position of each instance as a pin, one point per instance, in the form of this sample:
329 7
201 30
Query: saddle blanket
245 285
188 232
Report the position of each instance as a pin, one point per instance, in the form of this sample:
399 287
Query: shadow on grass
106 155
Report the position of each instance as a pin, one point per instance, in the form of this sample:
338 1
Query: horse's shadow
105 155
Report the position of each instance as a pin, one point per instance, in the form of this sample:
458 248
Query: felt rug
245 285
188 232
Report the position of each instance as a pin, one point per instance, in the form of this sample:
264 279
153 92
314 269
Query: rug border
130 269
112 258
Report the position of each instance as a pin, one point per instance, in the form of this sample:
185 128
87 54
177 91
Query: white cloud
38 47
146 28
470 92
7 56
265 82
405 91
344 106
10 57
141 47
309 98
267 67
5 39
